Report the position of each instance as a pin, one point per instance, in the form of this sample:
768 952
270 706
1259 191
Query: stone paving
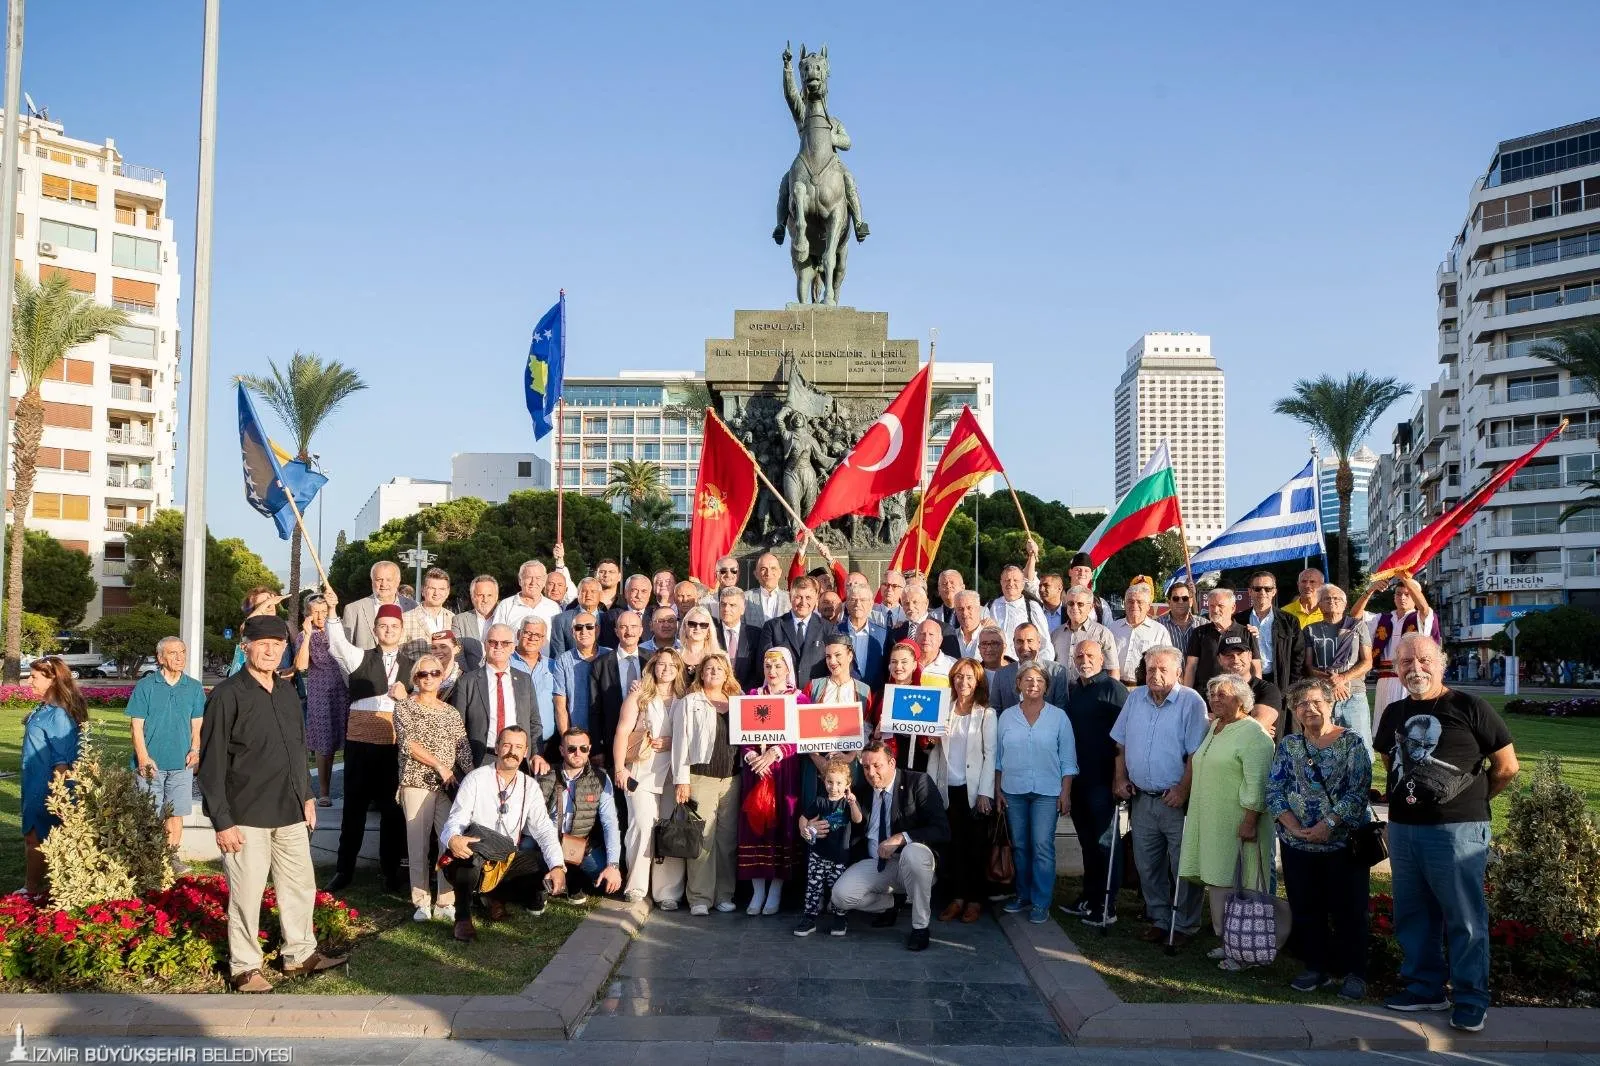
730 977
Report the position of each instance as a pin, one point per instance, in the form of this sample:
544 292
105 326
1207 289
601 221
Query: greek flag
1285 525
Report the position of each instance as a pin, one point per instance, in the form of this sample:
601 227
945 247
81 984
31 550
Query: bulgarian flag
1149 508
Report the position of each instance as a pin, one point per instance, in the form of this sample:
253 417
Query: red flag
886 460
968 458
724 496
1414 554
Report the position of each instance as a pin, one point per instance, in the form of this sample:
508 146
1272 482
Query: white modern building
1525 262
399 497
1363 464
646 416
1172 390
493 476
106 458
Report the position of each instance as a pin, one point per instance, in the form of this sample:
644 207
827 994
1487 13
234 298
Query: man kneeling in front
501 805
906 821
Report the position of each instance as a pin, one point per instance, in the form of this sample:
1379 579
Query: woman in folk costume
1411 614
902 667
769 835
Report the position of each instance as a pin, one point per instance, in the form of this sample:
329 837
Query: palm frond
1341 413
1590 501
304 395
49 318
1575 349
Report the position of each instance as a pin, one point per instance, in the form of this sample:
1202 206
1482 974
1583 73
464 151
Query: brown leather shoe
250 981
497 910
973 912
955 907
1180 939
465 931
1153 934
314 963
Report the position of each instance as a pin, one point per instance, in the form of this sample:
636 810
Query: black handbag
681 836
1369 842
489 845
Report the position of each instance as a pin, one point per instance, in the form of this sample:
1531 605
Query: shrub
101 696
1550 855
1576 707
112 841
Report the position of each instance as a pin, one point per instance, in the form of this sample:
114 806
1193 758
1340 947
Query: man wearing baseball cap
1235 657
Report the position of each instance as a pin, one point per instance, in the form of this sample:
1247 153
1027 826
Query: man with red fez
371 757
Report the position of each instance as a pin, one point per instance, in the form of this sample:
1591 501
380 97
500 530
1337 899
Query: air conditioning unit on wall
47 249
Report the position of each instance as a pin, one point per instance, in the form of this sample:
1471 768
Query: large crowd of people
1235 745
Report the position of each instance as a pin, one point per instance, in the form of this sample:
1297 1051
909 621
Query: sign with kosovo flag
915 710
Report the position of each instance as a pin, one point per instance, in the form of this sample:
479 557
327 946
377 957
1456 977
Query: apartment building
1172 390
1363 465
636 415
107 456
1525 263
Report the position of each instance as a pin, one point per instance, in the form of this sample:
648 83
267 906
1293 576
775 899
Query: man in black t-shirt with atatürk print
1448 753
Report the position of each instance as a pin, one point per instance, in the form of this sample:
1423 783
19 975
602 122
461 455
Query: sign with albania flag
823 727
762 719
916 710
724 496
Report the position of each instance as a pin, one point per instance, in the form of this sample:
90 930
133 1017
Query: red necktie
499 704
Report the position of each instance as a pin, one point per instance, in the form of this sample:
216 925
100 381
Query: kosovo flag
547 358
268 469
914 709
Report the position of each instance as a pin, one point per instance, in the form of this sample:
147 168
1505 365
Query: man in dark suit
904 825
1277 631
609 680
801 631
950 586
742 642
494 696
588 601
636 594
870 640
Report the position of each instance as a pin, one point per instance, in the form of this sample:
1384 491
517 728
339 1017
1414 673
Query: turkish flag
886 460
724 496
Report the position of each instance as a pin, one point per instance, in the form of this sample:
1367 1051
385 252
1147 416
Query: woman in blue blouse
1035 762
1317 793
49 747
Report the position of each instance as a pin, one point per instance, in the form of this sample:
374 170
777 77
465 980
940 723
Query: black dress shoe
917 940
885 919
340 882
396 884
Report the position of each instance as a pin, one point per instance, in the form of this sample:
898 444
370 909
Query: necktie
800 630
883 827
499 704
627 672
731 641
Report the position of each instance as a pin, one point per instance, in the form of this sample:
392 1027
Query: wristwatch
1333 821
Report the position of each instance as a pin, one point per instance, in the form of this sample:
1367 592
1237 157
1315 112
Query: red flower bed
93 695
180 934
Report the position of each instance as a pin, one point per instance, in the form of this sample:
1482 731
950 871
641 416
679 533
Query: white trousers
660 881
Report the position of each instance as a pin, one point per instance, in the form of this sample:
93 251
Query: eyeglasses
577 749
428 673
1263 588
1178 599
698 625
727 569
499 643
582 627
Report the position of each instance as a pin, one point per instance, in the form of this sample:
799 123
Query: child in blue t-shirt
825 827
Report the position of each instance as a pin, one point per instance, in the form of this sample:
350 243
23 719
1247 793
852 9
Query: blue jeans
1438 901
1354 713
1032 817
583 874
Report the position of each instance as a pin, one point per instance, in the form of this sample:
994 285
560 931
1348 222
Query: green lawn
1575 740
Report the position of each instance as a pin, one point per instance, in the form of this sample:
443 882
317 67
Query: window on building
677 475
61 505
81 280
676 451
595 477
1538 474
650 450
648 425
694 451
622 450
1583 562
570 476
136 296
571 425
594 424
1579 467
524 468
594 449
135 342
621 425
66 235
569 450
68 190
1532 386
136 253
676 426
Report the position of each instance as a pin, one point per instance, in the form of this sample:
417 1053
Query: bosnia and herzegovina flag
547 358
268 469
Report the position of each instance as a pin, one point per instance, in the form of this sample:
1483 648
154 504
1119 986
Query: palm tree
304 398
690 400
48 320
1576 349
638 481
1341 414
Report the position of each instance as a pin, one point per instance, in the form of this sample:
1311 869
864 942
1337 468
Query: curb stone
549 1008
1090 1014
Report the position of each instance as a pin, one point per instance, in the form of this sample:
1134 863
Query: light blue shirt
570 673
1156 738
1264 637
1034 758
543 690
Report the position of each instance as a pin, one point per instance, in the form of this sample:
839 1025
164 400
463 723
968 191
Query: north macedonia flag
968 458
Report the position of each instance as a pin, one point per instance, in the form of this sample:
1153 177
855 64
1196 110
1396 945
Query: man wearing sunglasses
1276 631
583 807
570 673
494 696
588 602
727 575
1180 618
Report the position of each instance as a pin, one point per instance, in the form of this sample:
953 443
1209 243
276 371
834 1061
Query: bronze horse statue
817 198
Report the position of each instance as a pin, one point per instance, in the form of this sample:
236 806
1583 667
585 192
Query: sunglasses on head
428 673
577 749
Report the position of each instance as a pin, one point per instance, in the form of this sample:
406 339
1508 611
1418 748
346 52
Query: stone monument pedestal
800 386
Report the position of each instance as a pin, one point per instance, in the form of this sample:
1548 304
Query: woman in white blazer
962 766
705 770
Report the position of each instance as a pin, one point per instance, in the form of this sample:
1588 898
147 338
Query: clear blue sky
405 186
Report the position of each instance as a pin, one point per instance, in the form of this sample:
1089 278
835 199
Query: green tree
339 542
48 320
128 636
688 400
638 483
155 571
1341 414
1576 349
304 397
38 634
1565 632
57 581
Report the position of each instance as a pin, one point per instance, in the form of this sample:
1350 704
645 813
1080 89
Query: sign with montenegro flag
821 727
724 496
968 458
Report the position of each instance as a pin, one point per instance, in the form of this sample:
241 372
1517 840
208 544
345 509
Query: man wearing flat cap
256 790
371 754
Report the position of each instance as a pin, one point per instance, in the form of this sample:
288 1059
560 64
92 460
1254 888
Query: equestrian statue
817 197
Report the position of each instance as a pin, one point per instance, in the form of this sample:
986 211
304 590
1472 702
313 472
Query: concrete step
200 841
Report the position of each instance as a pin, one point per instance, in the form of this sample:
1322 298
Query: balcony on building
130 432
123 516
131 386
123 475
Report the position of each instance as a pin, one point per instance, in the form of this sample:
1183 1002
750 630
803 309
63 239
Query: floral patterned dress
327 699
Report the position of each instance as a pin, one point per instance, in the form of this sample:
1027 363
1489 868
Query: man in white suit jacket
359 616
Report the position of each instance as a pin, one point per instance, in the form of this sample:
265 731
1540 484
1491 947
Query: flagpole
977 534
1025 530
1316 502
927 432
560 491
300 521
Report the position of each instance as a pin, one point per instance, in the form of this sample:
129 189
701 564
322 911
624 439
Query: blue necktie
883 829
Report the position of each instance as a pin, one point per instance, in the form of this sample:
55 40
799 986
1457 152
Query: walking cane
1107 904
1172 925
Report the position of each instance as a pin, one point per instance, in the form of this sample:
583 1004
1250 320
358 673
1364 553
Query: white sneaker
1217 953
446 913
424 914
772 904
726 907
668 904
700 910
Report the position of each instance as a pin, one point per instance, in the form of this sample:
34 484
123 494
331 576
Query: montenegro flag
724 496
968 458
